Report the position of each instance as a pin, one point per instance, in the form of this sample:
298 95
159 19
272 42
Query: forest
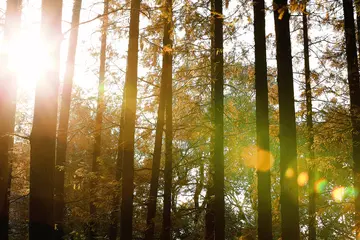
179 119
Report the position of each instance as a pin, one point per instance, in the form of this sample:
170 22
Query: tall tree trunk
219 203
43 135
98 124
130 91
7 113
154 185
167 74
353 79
113 230
209 213
64 123
310 131
288 157
262 124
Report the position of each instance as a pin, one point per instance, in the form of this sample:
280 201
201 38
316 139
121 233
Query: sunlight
338 194
249 156
289 173
28 58
303 179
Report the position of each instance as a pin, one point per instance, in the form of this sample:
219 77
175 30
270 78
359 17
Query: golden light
303 179
289 173
338 194
27 57
250 158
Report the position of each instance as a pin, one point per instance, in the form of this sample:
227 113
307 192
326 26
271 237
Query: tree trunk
353 79
129 123
64 123
310 131
262 124
167 74
149 234
114 221
219 203
43 135
209 213
98 124
288 157
7 113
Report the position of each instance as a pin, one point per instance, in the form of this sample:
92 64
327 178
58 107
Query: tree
98 122
290 228
262 124
310 129
354 91
7 112
113 229
167 75
130 93
166 70
43 134
219 203
64 123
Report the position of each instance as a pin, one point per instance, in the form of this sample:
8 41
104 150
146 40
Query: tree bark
288 156
61 147
353 79
167 74
113 230
43 135
262 124
209 213
7 113
129 123
219 203
98 124
310 130
154 185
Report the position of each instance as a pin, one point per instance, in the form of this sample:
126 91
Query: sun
28 59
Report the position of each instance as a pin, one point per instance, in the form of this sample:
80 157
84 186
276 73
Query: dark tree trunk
98 125
129 123
310 131
64 123
219 203
167 75
43 135
166 72
209 213
114 216
262 124
7 113
288 156
353 79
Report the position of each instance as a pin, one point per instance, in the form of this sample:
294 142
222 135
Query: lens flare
303 179
289 173
351 192
338 194
250 158
320 185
